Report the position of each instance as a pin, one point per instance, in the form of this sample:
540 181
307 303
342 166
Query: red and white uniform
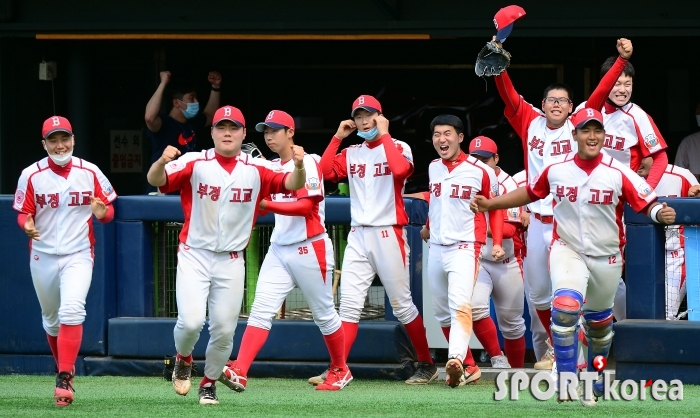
456 238
630 134
588 199
502 280
220 198
675 182
61 263
542 147
301 255
377 240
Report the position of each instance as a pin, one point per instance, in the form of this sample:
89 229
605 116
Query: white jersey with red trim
520 178
544 146
675 182
588 205
630 134
453 185
506 184
61 206
220 207
376 196
293 229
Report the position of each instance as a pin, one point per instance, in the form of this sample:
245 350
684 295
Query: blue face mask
369 135
191 111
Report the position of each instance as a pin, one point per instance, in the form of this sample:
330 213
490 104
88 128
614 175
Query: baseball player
457 237
376 170
546 139
502 279
220 190
675 182
588 190
56 198
300 254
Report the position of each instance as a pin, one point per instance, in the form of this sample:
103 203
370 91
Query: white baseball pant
675 281
61 283
539 334
371 251
503 281
452 272
620 306
309 265
539 239
595 278
214 280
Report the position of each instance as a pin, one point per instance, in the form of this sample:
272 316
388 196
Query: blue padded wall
22 330
134 268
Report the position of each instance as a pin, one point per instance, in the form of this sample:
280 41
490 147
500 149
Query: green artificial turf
150 397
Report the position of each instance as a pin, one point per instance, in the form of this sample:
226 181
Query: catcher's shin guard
566 307
598 327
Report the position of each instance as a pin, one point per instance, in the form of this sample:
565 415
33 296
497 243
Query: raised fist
215 79
170 153
165 77
624 47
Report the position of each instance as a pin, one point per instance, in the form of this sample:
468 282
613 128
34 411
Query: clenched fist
624 47
169 153
298 156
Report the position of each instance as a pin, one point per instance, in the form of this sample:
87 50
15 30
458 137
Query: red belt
544 219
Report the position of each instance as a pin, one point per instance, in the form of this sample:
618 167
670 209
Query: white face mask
61 159
697 117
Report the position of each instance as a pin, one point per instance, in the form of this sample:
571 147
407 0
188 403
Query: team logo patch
644 190
313 184
176 165
107 189
513 214
651 141
19 198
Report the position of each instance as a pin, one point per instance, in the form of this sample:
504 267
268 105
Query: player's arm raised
332 164
156 174
151 117
606 84
295 180
214 96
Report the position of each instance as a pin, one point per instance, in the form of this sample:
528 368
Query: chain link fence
295 306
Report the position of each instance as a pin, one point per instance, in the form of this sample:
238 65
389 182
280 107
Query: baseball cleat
181 377
500 362
425 373
233 378
586 402
64 392
454 371
207 395
472 374
547 359
336 379
317 380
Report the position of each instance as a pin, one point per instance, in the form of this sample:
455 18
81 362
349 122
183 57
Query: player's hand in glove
479 204
98 207
30 230
667 215
169 153
425 233
253 150
492 59
346 128
498 253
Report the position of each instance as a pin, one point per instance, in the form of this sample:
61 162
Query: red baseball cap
55 124
483 146
276 119
586 115
505 19
230 113
366 102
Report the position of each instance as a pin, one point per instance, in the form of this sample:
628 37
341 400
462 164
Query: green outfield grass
150 397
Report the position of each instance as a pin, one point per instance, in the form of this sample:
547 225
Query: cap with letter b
276 119
585 115
56 124
229 113
369 103
505 19
483 146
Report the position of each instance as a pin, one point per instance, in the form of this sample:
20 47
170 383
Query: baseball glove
251 149
492 60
